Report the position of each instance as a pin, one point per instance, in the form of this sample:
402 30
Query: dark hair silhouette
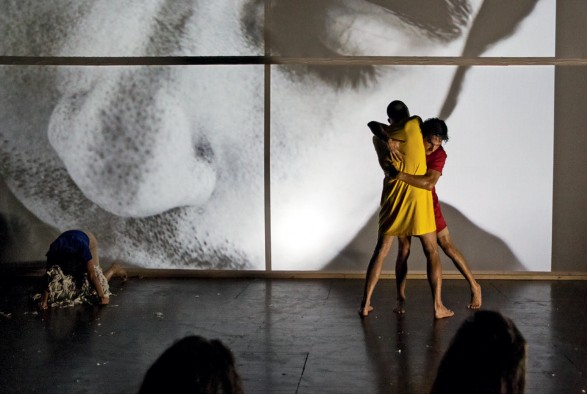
397 111
486 355
193 365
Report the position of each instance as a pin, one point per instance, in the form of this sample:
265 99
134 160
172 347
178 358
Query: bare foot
119 272
400 307
475 297
442 312
364 311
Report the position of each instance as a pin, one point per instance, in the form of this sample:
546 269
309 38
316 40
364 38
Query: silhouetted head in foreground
193 365
486 355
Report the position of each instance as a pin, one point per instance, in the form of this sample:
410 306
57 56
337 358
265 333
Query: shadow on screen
483 251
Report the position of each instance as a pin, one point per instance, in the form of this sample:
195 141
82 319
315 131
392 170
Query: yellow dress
405 210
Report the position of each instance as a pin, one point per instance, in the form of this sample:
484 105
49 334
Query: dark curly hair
435 126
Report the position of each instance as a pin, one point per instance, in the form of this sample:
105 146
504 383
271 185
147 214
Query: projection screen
234 134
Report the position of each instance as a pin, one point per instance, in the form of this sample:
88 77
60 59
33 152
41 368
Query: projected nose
129 146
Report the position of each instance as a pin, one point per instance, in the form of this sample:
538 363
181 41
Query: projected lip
132 154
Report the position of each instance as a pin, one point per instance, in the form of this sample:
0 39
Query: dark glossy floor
288 336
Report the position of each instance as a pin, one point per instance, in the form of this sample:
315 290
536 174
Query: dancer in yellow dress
405 210
434 131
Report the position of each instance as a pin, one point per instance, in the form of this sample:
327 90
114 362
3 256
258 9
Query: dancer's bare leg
374 270
401 272
115 270
93 248
434 272
445 242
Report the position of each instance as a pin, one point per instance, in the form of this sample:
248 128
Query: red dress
435 161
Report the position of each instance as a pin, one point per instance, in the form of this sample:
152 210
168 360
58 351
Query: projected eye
298 29
333 28
363 28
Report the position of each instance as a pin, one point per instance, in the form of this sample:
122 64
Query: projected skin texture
165 164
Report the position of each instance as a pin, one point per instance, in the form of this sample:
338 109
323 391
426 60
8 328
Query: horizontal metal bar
282 60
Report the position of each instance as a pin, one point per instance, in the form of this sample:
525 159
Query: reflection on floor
288 336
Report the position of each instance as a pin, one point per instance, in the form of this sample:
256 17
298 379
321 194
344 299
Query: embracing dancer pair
407 207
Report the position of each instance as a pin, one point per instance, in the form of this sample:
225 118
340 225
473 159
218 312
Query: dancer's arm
394 152
44 302
378 129
382 132
44 290
426 181
95 282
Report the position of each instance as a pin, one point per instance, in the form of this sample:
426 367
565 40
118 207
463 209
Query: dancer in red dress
434 132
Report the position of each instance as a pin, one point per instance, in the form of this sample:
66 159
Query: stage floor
288 336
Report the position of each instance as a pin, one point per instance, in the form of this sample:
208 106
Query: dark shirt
71 252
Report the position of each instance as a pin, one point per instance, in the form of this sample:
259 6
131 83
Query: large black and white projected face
163 164
319 114
166 164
